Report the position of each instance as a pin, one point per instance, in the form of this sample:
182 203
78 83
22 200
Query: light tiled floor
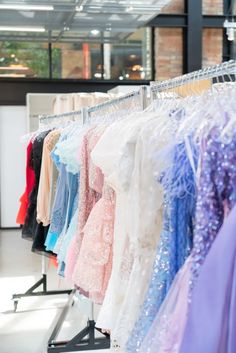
28 330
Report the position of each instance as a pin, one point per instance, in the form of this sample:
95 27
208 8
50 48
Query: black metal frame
193 22
13 91
85 340
31 291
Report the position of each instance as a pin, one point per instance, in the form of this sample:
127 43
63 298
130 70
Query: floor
28 329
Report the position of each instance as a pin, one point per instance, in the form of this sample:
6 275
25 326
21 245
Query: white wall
13 125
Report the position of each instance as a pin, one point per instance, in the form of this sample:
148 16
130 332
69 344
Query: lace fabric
114 154
146 198
94 263
91 179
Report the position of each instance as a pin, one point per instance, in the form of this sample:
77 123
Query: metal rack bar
225 68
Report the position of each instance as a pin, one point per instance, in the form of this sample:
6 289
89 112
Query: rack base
85 340
30 292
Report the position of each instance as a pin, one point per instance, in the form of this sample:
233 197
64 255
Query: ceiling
75 20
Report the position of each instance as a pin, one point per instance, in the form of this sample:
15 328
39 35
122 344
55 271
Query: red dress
30 181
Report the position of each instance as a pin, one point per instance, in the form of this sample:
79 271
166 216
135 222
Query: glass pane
130 59
168 52
176 6
213 7
77 61
212 46
24 59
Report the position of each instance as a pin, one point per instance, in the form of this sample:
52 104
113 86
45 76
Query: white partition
13 125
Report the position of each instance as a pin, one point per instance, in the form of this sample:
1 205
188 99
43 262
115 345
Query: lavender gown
216 196
211 322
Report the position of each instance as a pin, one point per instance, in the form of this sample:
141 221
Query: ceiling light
21 29
95 32
26 7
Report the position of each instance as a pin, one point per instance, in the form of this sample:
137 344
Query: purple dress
211 322
216 196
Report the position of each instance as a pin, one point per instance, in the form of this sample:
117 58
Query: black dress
31 229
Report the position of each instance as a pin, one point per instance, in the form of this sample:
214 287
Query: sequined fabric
216 194
175 241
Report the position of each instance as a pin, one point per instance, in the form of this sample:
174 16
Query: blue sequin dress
175 242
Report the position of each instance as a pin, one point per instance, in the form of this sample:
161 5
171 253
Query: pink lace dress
93 267
90 191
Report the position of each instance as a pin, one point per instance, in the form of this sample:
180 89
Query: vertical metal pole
194 35
102 58
50 59
91 316
43 265
143 97
153 54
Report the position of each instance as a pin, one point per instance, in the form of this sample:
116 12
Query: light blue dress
175 240
65 199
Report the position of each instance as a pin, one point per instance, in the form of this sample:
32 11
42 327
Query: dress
175 241
93 266
90 191
46 180
69 235
114 154
30 225
62 212
211 322
30 181
216 196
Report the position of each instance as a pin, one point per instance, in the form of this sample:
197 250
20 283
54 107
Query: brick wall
175 6
212 7
212 46
168 52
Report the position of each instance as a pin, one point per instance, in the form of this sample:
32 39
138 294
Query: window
168 52
131 59
24 59
76 61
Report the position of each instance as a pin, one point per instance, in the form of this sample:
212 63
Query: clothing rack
85 339
227 68
44 119
47 118
43 280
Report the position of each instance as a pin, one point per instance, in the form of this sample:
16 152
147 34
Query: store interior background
186 36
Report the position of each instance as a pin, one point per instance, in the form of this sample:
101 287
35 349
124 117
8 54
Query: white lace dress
145 200
114 154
